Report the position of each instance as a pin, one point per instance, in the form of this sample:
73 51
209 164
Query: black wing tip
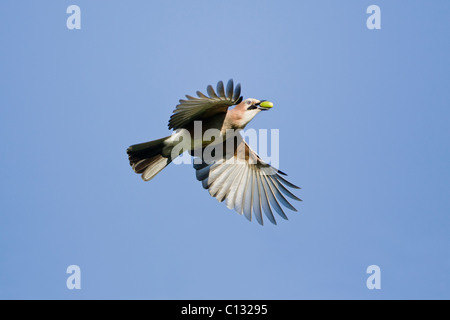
235 91
291 185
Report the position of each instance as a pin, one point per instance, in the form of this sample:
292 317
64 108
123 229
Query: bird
236 175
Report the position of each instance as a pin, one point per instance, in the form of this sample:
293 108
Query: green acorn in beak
265 105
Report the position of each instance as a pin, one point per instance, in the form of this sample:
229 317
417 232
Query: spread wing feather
247 184
194 108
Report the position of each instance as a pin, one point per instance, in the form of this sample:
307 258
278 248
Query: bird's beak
265 105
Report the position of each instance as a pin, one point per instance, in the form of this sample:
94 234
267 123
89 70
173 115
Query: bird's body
236 173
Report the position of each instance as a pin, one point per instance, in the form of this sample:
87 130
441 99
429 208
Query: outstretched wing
248 184
199 108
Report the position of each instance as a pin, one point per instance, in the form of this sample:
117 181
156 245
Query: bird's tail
149 158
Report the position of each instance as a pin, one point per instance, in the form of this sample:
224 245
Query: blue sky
363 118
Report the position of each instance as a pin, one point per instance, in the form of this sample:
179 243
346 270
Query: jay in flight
237 175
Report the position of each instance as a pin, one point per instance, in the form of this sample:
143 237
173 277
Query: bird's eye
249 102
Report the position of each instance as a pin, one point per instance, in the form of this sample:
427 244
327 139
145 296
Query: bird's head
245 111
